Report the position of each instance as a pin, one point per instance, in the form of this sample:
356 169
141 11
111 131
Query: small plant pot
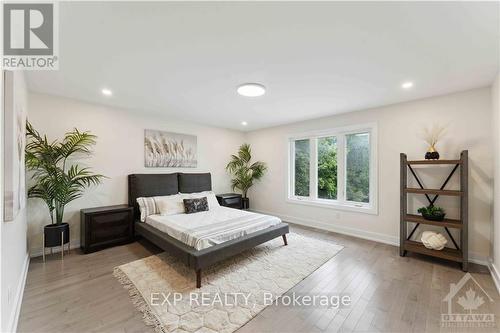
245 203
431 217
54 233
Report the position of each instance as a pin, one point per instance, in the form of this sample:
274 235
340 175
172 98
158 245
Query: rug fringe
138 301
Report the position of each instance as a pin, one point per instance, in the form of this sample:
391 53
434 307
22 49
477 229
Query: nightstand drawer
232 200
106 226
109 227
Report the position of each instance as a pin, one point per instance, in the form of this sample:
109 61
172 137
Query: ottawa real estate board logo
468 305
30 36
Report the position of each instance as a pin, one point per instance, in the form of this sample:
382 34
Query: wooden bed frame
147 185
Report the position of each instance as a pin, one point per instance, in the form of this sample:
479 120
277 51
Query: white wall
468 115
495 98
14 250
119 152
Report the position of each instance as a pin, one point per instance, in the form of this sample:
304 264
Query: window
302 158
335 168
327 167
357 167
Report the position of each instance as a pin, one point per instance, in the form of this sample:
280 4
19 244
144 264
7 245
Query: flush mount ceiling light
251 90
106 92
407 85
244 123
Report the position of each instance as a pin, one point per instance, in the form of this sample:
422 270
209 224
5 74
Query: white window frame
341 203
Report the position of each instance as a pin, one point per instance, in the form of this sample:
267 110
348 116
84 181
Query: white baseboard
17 301
369 235
495 274
479 259
38 252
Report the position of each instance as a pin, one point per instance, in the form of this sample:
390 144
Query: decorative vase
56 234
432 154
245 203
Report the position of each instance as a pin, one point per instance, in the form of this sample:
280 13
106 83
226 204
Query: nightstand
232 200
103 227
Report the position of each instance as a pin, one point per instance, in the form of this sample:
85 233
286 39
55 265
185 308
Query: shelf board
446 253
434 162
445 223
433 191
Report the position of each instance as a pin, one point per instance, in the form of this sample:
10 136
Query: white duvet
204 229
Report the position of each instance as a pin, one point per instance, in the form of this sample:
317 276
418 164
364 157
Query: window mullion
341 168
291 161
313 167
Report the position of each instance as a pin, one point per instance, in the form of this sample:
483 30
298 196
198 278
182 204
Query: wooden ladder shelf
457 254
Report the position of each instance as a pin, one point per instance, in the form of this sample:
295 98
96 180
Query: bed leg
198 278
284 239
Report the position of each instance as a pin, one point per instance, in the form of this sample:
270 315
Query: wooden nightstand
103 227
232 200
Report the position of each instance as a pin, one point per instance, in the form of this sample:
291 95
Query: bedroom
250 167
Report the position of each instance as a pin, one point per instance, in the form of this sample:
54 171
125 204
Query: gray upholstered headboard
149 185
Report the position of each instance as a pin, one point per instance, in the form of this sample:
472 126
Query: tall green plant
55 181
243 172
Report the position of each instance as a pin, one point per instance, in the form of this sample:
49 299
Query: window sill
366 209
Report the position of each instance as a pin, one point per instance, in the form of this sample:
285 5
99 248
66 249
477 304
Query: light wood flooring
389 293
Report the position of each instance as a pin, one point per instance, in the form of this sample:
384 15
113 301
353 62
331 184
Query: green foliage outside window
358 167
302 168
327 168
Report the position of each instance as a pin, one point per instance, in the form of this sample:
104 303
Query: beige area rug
233 291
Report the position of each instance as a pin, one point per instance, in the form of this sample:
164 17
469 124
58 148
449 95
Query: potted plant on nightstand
56 180
244 172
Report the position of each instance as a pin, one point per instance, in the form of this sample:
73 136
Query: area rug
233 291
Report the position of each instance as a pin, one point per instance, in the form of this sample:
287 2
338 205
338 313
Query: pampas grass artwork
166 149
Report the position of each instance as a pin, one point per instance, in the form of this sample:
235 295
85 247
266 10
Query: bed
168 232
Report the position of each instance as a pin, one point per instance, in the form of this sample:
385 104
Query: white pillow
212 200
147 206
171 204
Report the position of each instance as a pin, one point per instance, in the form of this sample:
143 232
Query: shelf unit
457 254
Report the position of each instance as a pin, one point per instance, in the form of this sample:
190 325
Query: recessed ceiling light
251 90
244 123
407 85
107 92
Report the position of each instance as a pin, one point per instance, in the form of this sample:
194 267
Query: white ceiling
185 60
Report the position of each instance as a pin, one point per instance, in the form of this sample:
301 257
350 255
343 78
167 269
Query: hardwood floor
388 293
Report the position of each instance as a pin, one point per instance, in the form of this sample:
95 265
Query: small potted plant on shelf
244 172
432 213
57 180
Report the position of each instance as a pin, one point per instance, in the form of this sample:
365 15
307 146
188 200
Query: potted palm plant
244 173
55 179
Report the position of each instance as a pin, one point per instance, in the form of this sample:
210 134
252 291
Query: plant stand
459 253
56 235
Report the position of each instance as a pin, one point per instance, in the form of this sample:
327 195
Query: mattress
204 229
